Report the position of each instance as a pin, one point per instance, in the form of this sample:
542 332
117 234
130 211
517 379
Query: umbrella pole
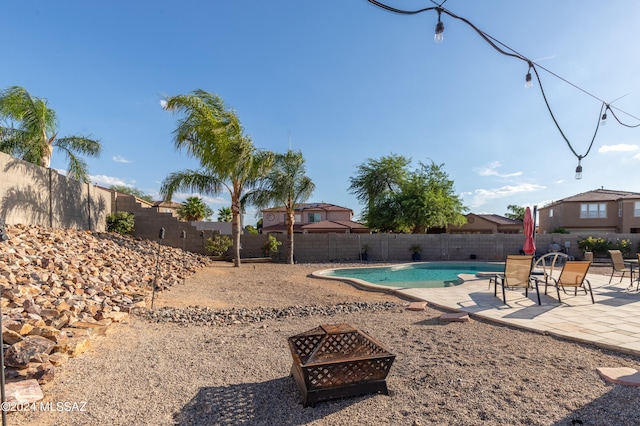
535 214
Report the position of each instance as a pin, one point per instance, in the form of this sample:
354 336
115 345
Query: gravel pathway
226 362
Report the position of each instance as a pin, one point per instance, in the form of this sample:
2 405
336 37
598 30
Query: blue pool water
418 275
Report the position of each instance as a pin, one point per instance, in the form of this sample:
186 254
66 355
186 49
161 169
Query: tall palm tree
286 184
224 214
228 159
32 133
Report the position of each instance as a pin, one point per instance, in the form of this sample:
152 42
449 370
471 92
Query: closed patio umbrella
529 229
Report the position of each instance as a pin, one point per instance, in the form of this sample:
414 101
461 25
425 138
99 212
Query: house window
550 212
593 211
636 209
619 209
314 217
296 217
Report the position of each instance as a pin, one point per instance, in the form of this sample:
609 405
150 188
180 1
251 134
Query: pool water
419 275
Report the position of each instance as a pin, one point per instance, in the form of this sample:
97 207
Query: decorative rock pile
60 287
205 316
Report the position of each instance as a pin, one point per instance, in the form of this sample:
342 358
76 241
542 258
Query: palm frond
80 144
198 181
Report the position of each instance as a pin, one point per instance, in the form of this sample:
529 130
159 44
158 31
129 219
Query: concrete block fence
395 247
34 195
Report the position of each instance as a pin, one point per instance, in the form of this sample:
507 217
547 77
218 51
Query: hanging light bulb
579 169
527 78
527 81
603 121
439 30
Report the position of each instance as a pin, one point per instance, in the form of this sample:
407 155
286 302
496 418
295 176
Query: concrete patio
613 322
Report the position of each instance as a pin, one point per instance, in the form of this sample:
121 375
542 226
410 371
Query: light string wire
493 42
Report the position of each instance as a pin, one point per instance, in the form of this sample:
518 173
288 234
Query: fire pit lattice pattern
332 361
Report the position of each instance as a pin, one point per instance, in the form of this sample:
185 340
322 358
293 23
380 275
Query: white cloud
163 104
490 170
637 156
107 181
621 147
208 200
482 196
119 159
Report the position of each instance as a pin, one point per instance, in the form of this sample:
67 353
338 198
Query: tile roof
168 204
598 195
341 225
310 206
500 220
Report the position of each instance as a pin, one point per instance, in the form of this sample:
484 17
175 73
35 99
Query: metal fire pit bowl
336 361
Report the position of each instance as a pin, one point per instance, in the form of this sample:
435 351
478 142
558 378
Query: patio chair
618 265
573 274
517 274
549 265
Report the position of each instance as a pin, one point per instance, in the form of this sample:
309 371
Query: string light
579 169
527 78
438 37
507 51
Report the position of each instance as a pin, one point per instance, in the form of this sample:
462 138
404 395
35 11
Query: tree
287 185
132 191
407 201
377 179
427 200
228 159
31 133
194 210
516 212
224 214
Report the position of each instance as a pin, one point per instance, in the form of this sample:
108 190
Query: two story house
601 210
312 218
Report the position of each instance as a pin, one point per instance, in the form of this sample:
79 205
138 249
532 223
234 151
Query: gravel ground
226 362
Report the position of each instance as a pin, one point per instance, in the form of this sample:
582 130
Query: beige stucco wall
568 216
36 195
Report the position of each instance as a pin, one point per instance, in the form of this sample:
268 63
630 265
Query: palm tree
228 159
286 184
224 214
33 130
194 210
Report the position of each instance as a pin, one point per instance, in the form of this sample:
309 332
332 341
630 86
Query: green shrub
250 229
270 246
560 230
599 246
120 222
624 246
218 245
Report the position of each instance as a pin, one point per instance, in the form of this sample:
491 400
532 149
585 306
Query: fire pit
336 361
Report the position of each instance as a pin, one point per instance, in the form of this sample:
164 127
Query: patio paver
613 322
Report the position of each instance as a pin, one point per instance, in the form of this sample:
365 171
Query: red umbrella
529 229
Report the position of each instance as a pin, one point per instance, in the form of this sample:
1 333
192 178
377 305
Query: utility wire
508 51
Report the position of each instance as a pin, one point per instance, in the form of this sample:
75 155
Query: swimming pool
414 275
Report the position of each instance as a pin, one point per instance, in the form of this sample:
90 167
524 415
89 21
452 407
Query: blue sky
343 81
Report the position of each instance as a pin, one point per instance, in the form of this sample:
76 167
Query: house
167 207
487 224
312 218
601 210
